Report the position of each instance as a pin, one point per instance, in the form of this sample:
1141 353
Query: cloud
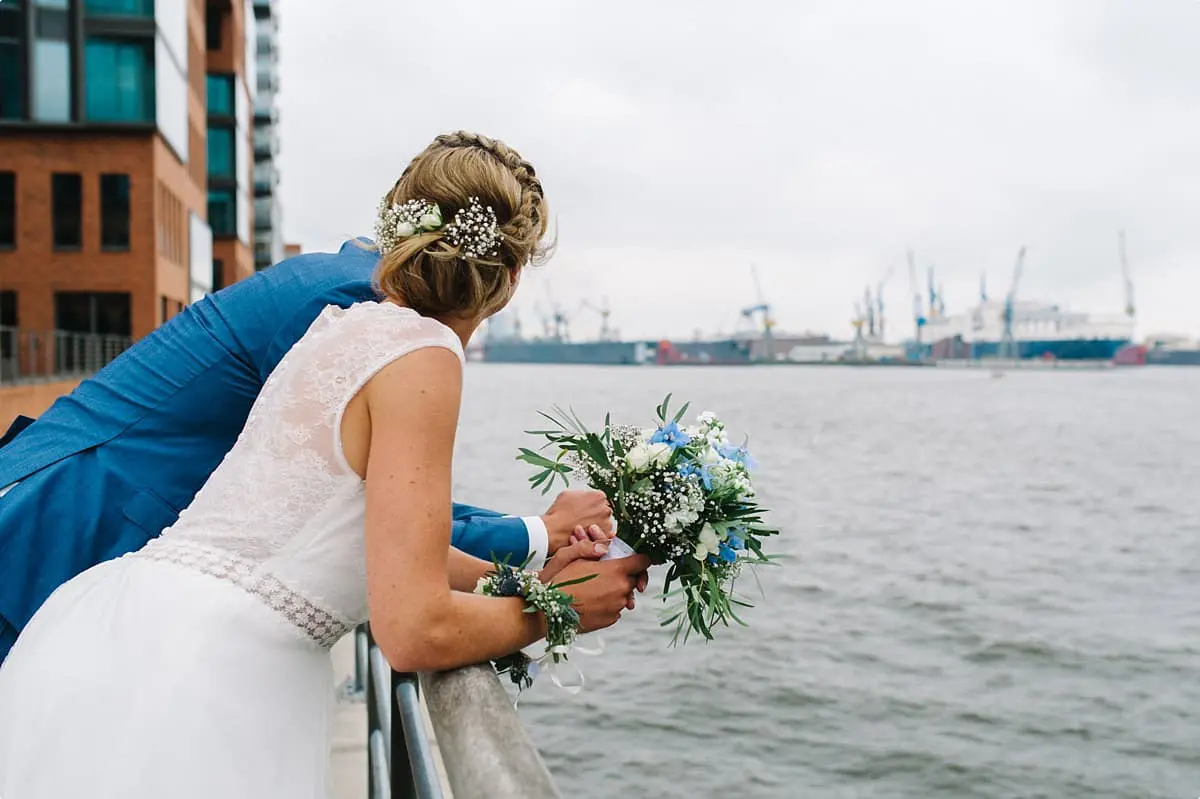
682 141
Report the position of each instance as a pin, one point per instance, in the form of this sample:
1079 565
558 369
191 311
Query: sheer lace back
282 516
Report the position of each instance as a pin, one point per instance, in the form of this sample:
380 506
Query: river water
993 588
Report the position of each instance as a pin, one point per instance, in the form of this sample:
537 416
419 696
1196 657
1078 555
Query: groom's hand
574 509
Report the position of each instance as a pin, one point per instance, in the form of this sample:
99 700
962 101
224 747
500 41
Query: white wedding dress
198 667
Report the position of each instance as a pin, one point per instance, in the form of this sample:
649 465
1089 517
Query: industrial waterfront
1002 332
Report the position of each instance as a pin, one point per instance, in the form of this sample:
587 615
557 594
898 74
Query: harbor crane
606 333
869 304
556 323
1129 307
763 309
918 312
1008 346
879 301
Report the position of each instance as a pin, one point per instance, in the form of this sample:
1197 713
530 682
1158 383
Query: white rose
661 453
405 229
430 221
638 458
710 457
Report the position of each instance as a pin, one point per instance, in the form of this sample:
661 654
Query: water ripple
992 592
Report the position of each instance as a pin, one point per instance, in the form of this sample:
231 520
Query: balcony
266 142
34 355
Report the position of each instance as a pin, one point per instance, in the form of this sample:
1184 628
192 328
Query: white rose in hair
405 229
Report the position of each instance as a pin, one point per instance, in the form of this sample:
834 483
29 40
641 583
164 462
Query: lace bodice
282 516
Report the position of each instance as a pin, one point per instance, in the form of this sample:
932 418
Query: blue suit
111 465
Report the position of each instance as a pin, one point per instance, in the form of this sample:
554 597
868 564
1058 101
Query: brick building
126 159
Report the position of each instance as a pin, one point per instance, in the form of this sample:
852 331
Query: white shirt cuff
539 540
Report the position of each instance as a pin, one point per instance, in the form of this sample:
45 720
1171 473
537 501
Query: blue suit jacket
112 464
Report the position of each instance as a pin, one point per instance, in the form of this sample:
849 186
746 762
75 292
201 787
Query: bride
198 666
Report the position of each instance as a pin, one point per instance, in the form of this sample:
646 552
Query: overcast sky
681 142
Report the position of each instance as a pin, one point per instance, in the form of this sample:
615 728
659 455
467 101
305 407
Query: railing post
377 779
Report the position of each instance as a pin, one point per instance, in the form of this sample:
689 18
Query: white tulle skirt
142 678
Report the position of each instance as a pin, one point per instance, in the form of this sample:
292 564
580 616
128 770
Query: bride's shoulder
388 322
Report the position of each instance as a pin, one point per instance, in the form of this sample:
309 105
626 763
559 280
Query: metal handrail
400 759
485 748
33 355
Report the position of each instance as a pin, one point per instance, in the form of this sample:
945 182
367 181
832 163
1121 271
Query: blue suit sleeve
487 534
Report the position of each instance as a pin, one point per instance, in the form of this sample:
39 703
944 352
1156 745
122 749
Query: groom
111 465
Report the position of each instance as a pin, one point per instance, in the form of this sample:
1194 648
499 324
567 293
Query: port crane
918 312
869 304
1008 346
555 324
1129 307
606 333
763 309
879 301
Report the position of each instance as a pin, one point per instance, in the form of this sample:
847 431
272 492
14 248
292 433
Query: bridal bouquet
681 495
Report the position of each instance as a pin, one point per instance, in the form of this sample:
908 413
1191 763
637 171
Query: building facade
125 159
268 218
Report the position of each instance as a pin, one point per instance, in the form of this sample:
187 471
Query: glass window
220 95
66 191
52 24
214 18
8 209
220 152
12 21
105 313
12 73
119 80
8 308
222 213
119 8
51 81
114 212
8 339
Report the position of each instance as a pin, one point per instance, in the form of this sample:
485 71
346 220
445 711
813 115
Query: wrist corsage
562 620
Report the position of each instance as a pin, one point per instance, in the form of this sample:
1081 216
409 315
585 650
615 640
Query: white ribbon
572 684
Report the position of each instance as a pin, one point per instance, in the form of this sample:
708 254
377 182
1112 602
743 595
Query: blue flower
671 435
737 454
704 472
727 554
735 541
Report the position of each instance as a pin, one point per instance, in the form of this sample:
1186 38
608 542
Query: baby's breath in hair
475 231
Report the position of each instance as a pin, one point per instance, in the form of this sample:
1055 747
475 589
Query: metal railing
483 745
29 355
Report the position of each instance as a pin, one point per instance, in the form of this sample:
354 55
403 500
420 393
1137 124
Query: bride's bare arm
419 623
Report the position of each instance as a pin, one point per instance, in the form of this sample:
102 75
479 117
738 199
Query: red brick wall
34 269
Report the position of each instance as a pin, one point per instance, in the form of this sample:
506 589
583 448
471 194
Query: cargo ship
1037 330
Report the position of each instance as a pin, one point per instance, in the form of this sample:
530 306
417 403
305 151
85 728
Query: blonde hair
432 275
